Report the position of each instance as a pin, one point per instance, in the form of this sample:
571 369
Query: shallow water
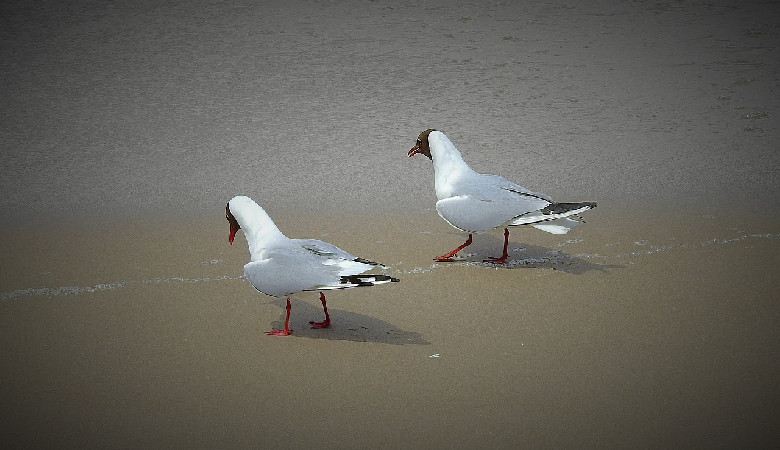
114 109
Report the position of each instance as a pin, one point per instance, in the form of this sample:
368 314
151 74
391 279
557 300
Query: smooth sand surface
655 333
126 127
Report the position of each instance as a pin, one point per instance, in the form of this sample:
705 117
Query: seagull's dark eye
419 142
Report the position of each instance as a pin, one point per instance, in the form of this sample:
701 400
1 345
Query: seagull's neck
448 164
260 231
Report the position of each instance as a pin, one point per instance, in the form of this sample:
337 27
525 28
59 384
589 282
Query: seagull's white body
280 266
474 202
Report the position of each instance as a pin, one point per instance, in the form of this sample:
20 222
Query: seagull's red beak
232 235
234 226
414 150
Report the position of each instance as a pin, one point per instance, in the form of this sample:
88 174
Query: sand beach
125 321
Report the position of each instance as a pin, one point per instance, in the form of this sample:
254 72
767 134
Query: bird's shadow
527 256
344 325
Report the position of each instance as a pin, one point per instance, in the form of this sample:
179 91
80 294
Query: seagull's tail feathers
555 218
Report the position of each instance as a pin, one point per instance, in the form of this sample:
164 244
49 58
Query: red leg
287 331
325 323
448 256
501 259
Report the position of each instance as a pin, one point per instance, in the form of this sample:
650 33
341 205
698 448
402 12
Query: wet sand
659 332
114 110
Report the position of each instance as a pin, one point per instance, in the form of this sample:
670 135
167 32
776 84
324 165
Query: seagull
475 202
280 266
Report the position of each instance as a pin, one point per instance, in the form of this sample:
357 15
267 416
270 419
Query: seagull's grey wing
489 183
323 248
488 201
328 250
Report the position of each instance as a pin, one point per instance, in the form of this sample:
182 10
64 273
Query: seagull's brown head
422 144
234 226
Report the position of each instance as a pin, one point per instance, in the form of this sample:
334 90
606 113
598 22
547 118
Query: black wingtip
368 280
561 208
366 261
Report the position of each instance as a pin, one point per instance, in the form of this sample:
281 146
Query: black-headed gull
474 202
280 266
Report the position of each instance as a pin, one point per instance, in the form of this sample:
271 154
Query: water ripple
75 290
